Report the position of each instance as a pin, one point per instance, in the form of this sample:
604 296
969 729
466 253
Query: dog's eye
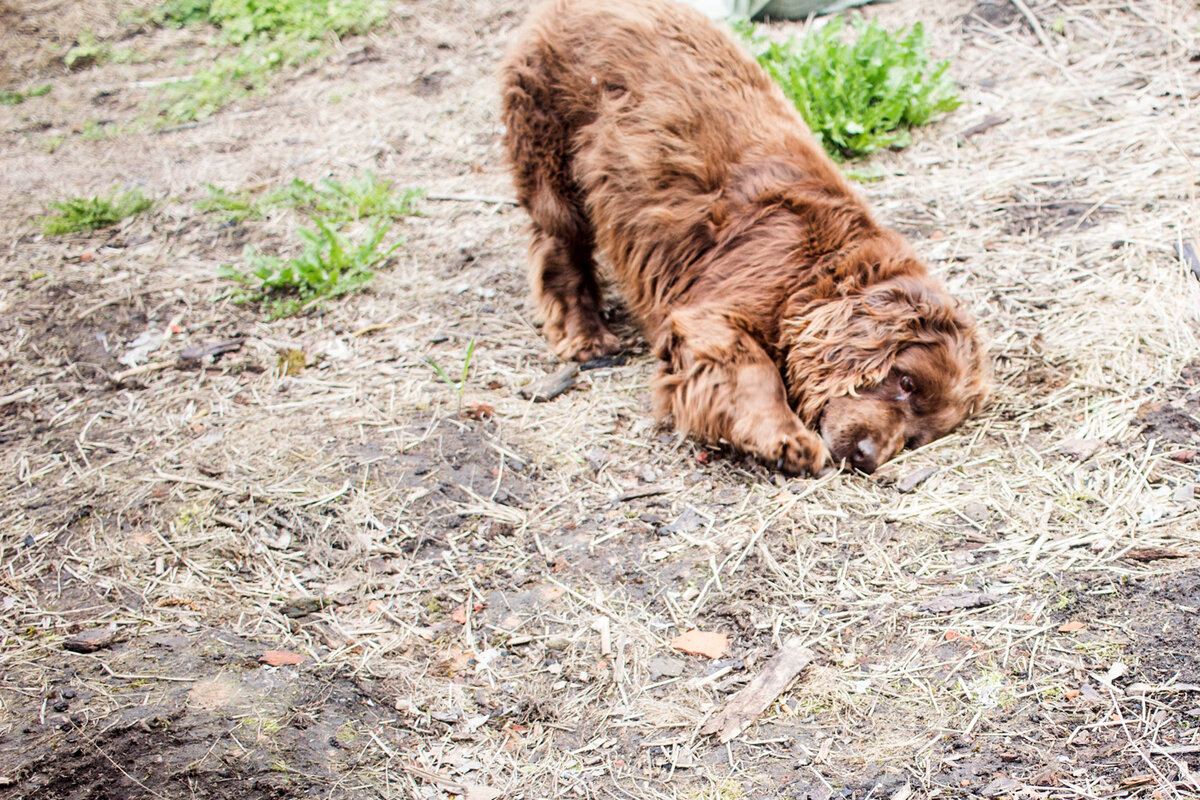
906 385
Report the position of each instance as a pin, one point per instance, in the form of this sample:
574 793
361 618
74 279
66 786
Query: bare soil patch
484 589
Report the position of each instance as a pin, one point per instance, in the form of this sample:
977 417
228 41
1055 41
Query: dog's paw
585 346
780 440
801 453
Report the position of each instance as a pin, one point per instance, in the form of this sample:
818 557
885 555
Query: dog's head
896 364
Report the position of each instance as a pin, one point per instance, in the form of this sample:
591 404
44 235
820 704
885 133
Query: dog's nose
866 456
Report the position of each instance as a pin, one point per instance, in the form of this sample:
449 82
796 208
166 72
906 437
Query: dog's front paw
584 346
783 443
801 453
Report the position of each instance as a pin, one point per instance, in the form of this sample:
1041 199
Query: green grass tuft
88 51
356 198
860 95
243 20
230 78
272 35
91 213
9 97
330 264
336 201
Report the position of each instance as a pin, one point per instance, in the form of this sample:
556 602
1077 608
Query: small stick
144 369
472 198
17 397
746 705
1033 22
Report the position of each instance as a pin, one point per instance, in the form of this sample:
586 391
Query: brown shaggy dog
790 323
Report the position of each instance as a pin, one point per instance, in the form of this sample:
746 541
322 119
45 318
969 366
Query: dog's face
924 396
896 365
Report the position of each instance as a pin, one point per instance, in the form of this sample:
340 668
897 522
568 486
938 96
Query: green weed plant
859 87
92 213
330 264
459 385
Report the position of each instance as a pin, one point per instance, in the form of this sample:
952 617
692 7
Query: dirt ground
484 589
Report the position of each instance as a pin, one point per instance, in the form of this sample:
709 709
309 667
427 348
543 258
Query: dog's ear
840 344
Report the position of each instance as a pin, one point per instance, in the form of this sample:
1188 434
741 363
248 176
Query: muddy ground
481 591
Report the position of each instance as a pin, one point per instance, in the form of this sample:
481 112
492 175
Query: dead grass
473 565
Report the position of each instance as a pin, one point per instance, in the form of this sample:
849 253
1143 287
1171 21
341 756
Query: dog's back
637 124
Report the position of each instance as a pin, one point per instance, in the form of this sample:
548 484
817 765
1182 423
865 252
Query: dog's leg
568 297
561 270
720 384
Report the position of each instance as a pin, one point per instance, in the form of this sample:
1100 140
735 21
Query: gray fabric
800 9
776 9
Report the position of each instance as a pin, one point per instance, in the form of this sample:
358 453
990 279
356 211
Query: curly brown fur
790 324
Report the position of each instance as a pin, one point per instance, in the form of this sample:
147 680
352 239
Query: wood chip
950 602
92 640
551 386
746 705
196 352
701 643
1071 627
1147 554
914 479
279 658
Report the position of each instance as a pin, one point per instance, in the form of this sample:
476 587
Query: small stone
1184 493
976 511
1080 449
597 458
303 606
1000 786
665 667
558 643
687 522
91 641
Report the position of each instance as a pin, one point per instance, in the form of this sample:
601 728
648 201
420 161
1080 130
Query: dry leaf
1071 627
459 615
701 643
479 411
278 658
460 659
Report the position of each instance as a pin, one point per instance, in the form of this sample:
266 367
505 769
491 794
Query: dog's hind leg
720 385
561 268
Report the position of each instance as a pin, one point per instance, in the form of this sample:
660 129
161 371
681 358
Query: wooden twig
472 198
1033 22
745 706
